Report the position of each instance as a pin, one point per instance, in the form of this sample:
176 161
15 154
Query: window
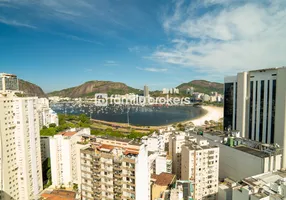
228 105
261 110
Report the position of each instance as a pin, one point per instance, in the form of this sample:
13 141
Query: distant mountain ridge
202 86
31 89
88 89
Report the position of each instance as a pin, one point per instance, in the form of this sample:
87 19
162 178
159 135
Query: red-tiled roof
59 195
130 151
106 146
68 133
165 179
154 176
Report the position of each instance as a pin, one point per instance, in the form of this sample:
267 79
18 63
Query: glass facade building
228 105
8 82
259 102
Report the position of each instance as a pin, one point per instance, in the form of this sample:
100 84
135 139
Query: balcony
118 183
117 167
118 175
96 170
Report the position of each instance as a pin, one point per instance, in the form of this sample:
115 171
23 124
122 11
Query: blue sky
62 43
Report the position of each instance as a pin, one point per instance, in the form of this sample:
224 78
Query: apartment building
63 153
166 132
154 142
45 147
20 153
46 115
255 104
114 169
176 141
200 165
159 162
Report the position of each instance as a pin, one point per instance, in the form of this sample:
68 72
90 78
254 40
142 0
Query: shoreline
209 113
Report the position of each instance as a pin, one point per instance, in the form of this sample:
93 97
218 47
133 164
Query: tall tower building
20 151
255 104
146 91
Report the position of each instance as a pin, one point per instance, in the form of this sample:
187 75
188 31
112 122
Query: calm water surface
145 116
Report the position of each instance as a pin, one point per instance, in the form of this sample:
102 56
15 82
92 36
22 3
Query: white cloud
74 37
151 69
110 63
138 49
228 39
16 23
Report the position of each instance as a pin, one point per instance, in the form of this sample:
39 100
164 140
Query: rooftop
7 75
59 195
67 133
196 146
129 141
252 151
257 70
264 185
164 179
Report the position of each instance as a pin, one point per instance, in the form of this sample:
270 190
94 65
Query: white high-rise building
200 165
20 151
46 115
255 104
63 152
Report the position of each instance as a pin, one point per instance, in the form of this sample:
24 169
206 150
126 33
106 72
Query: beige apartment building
114 169
200 165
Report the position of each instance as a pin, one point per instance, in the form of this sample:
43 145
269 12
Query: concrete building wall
236 164
142 177
21 177
280 112
240 194
224 193
242 102
157 190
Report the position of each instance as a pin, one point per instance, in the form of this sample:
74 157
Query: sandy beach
212 113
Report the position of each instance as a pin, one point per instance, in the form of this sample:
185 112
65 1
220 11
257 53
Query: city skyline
167 43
